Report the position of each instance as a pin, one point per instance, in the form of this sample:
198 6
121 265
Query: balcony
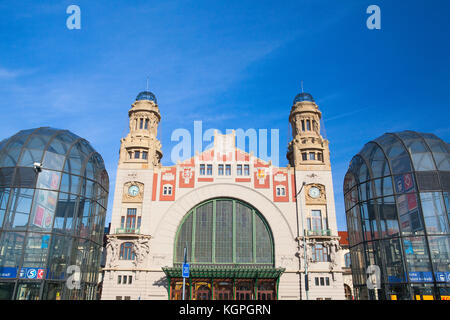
319 233
127 231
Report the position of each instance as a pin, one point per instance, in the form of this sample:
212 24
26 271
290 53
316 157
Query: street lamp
304 240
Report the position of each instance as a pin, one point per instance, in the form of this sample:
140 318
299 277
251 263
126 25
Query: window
119 281
146 124
138 223
281 191
126 251
202 169
130 279
167 190
347 260
303 125
210 230
308 125
124 279
131 218
319 156
127 298
118 298
322 281
239 170
304 156
137 154
141 123
122 222
320 254
228 170
209 170
246 170
315 222
130 154
144 155
220 170
312 156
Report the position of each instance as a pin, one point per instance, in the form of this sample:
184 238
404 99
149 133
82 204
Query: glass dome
146 95
303 97
53 199
397 201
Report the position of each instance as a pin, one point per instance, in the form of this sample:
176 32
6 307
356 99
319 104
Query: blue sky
231 64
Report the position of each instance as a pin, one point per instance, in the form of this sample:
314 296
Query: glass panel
388 217
6 290
440 152
36 250
43 210
184 240
59 250
263 243
11 245
19 209
203 233
224 231
28 291
396 153
417 259
440 256
244 231
434 212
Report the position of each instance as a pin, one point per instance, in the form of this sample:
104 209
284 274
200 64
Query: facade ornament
112 251
333 247
141 250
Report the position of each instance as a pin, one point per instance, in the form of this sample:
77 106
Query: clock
133 191
314 192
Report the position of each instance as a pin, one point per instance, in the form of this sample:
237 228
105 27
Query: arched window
224 231
126 251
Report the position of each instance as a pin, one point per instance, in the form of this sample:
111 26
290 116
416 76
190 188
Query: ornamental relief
315 194
133 191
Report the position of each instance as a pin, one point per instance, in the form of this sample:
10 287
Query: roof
227 271
344 238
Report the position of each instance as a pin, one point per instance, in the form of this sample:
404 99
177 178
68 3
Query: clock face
314 192
133 191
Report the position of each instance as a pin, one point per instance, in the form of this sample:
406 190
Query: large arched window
224 231
127 251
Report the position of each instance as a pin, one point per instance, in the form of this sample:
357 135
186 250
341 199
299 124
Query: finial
302 86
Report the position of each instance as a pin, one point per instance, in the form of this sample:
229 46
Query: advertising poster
44 208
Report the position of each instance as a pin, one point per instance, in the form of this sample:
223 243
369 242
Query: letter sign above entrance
185 270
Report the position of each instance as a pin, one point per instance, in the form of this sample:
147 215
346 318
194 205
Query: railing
128 230
325 232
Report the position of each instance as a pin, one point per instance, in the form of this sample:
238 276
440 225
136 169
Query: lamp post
304 239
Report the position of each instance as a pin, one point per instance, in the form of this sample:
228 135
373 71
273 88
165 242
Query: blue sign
442 276
185 270
8 272
44 243
421 276
31 273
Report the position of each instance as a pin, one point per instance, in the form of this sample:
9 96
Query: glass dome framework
397 192
53 199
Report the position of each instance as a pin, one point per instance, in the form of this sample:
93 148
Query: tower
308 150
309 155
141 148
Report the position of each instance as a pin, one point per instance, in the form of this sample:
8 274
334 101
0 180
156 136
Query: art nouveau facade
238 217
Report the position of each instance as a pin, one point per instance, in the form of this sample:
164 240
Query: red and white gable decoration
261 175
167 185
280 187
187 176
